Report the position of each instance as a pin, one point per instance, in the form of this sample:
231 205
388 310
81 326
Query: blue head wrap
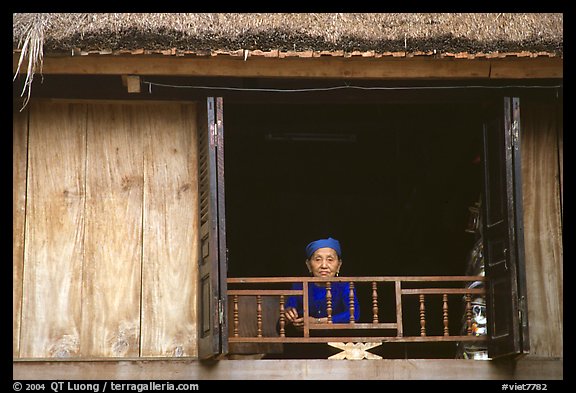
315 245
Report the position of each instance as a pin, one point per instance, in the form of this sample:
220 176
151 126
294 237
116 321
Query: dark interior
392 182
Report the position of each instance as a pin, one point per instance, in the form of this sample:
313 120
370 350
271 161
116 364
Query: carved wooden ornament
354 351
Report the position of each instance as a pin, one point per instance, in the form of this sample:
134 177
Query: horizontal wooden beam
353 326
442 291
384 339
256 280
264 292
323 67
522 68
290 369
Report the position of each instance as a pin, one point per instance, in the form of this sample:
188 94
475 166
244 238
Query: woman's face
324 263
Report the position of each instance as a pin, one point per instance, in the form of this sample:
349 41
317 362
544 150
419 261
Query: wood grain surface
113 239
170 230
542 228
54 238
19 152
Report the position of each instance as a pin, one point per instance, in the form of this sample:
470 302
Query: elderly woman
323 259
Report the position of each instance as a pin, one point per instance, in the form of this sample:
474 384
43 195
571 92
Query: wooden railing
383 328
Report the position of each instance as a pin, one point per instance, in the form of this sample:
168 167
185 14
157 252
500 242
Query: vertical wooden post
398 295
351 302
445 314
422 316
259 314
282 318
468 315
329 301
306 309
374 302
236 320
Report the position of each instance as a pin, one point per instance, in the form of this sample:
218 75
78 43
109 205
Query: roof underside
303 35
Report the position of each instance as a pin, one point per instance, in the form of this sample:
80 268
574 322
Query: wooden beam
323 67
267 280
19 154
325 339
290 369
132 83
526 68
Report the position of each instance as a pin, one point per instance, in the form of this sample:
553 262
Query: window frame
501 133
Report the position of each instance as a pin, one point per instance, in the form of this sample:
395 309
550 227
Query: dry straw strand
32 50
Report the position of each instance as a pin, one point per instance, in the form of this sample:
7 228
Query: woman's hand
292 317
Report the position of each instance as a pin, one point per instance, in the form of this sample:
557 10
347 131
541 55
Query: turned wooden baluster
468 315
422 316
282 318
236 321
445 313
329 301
259 314
351 302
374 302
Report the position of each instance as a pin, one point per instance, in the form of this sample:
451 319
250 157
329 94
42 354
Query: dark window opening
393 182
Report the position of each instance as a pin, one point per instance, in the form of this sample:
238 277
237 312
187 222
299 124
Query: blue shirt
317 302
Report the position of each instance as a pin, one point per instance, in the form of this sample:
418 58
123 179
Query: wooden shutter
503 232
213 336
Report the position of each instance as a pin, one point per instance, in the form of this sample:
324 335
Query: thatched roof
281 35
428 33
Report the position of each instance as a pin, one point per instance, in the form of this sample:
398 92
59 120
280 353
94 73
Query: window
397 175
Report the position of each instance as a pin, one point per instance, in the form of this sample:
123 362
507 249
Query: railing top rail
255 280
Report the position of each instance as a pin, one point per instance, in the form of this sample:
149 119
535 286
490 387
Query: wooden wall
542 195
106 222
105 229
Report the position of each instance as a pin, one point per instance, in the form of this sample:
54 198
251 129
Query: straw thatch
455 32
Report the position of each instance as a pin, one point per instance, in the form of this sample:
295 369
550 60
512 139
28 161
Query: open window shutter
213 336
503 232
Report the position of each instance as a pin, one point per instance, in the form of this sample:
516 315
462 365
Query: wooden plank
388 339
560 128
19 150
542 228
246 280
323 67
276 292
105 101
526 68
53 250
441 291
295 369
113 234
171 230
337 326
